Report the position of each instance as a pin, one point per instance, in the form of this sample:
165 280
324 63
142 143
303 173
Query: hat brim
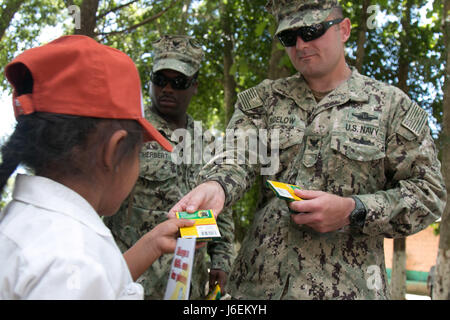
174 64
302 18
151 134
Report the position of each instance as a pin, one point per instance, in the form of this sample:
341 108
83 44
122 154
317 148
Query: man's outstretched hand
208 195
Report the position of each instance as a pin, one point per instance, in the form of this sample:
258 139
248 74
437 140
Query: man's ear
111 149
345 28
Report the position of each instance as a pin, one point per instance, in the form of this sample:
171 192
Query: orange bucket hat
75 75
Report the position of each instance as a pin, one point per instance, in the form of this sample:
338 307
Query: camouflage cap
180 53
291 14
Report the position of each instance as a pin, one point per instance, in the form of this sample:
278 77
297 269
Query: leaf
260 28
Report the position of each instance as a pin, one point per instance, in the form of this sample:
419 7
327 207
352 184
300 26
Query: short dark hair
61 145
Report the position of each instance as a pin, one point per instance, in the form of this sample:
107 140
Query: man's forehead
171 73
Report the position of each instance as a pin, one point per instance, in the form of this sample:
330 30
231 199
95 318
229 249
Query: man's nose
167 87
300 44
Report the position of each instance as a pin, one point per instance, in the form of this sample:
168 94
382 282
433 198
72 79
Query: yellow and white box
283 190
205 227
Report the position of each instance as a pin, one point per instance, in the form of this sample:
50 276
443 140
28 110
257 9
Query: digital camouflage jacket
365 138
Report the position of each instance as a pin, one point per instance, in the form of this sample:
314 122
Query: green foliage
28 23
5 194
424 47
436 228
244 209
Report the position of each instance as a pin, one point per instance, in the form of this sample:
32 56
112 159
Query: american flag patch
416 119
249 99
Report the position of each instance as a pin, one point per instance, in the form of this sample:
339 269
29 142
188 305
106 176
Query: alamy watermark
374 280
75 12
372 20
250 146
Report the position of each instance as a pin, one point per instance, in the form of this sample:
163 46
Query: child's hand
163 238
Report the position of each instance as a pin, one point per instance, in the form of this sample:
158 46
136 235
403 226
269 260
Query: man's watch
358 215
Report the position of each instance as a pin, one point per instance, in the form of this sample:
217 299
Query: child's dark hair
58 145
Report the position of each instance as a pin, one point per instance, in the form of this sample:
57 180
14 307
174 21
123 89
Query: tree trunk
7 14
229 84
398 276
275 71
441 287
403 59
184 17
362 30
398 279
88 19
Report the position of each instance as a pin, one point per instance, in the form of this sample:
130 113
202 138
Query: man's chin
170 111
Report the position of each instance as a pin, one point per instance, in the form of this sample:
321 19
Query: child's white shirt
53 245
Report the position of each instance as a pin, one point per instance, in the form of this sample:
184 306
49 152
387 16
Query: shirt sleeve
415 195
236 166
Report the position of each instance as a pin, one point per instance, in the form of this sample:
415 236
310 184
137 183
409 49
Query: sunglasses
178 83
288 38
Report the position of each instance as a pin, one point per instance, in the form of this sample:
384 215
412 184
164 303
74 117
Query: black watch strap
358 215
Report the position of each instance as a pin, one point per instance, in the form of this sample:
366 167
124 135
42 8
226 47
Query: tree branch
101 15
7 15
145 21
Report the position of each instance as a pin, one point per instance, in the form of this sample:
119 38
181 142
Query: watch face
358 217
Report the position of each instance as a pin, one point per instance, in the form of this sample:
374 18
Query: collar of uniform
296 88
51 195
350 90
163 126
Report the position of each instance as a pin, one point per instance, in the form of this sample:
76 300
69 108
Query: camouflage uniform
365 138
162 183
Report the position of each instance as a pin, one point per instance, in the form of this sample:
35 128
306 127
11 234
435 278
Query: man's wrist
358 215
221 188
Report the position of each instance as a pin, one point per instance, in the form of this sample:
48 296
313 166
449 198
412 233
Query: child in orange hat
79 128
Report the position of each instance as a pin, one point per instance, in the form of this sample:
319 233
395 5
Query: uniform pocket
288 136
290 140
356 164
159 181
359 148
157 165
313 144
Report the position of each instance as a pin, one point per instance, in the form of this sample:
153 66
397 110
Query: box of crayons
283 190
205 227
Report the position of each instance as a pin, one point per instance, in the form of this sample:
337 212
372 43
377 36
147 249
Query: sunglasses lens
288 38
159 79
311 33
180 83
